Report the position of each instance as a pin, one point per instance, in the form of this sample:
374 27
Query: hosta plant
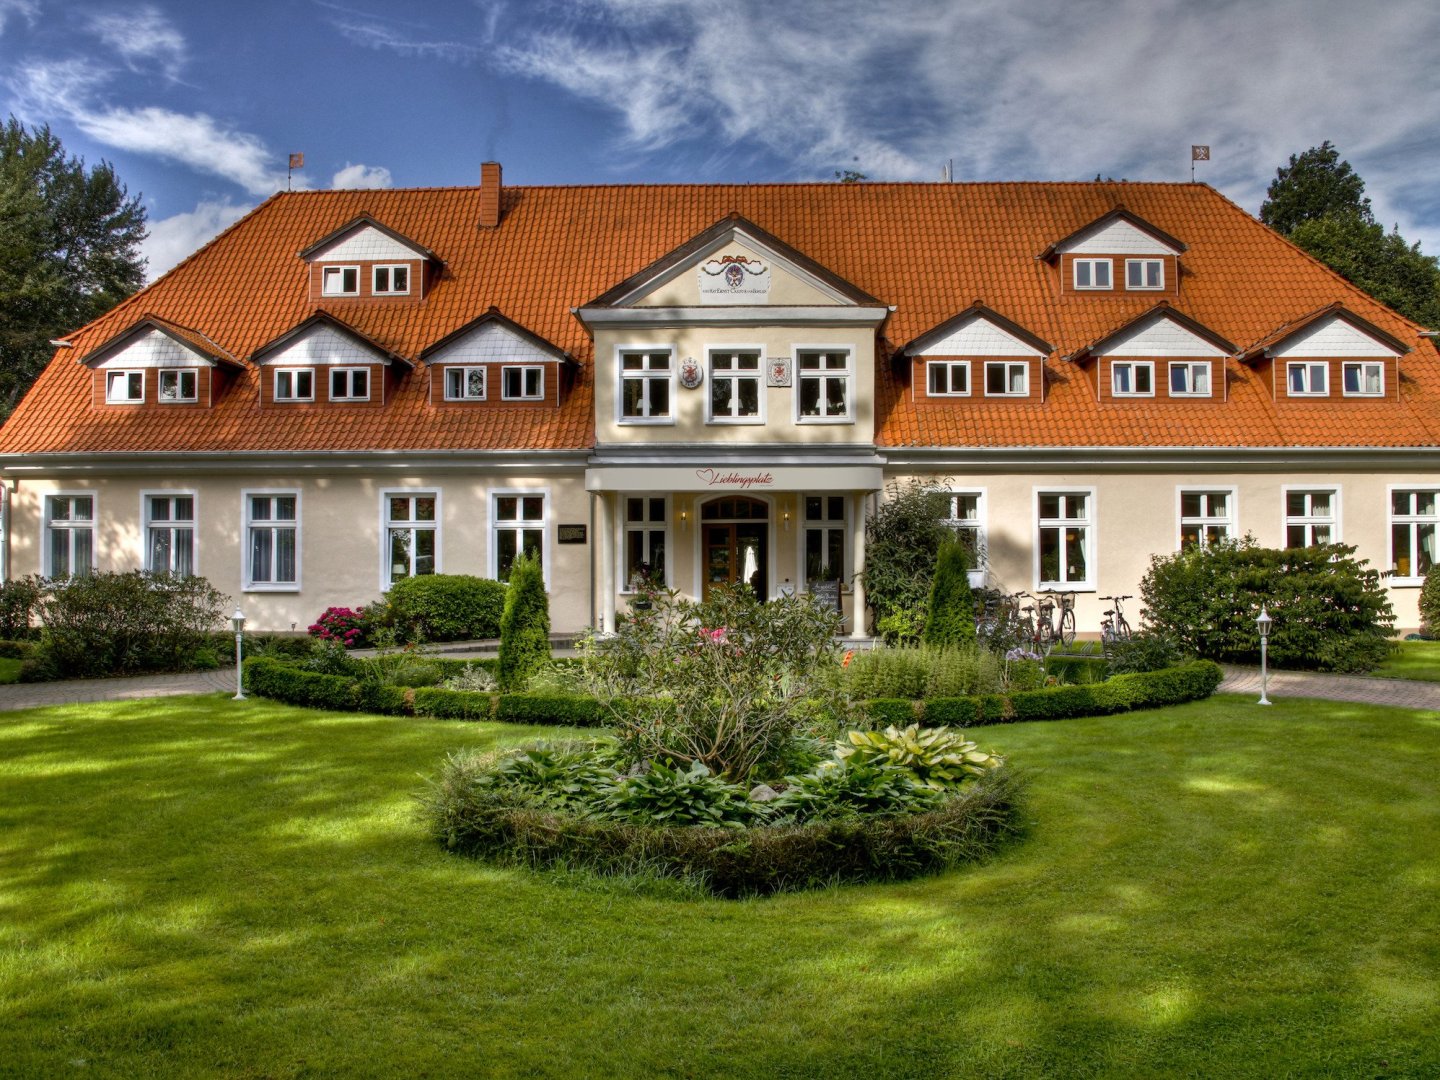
938 757
852 788
564 777
666 796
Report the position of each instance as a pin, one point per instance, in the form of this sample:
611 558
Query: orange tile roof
930 250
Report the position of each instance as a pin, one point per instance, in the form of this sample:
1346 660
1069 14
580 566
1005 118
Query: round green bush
443 607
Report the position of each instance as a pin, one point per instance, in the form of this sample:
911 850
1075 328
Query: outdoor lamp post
237 623
1262 623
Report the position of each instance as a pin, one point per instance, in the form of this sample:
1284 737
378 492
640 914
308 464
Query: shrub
666 796
936 756
524 625
442 607
473 678
1330 609
546 709
16 650
1430 602
950 617
902 538
909 672
341 624
1148 650
452 704
19 601
1078 670
855 788
282 682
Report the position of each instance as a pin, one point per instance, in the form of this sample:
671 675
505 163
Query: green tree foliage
1430 602
69 249
1315 185
525 625
951 616
902 540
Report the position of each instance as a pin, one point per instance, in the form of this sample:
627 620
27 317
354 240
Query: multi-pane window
1309 518
1092 273
178 386
170 534
1206 517
1144 273
947 378
464 384
1307 378
735 385
411 532
522 383
390 280
519 526
963 517
124 387
645 384
1007 378
1132 378
1064 526
644 541
294 384
349 384
69 535
1190 378
1363 378
824 382
340 281
272 540
824 538
1413 522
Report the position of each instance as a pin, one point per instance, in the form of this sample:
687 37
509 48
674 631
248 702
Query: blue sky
197 103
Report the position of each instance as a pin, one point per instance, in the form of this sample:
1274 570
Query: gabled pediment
1331 331
978 331
322 340
1161 331
492 338
363 239
157 342
1117 233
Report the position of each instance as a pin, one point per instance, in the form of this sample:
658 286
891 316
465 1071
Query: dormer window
1144 273
390 280
522 383
349 384
179 387
1308 379
294 384
124 387
1363 378
340 281
1007 378
1132 378
465 384
1190 378
946 378
1092 274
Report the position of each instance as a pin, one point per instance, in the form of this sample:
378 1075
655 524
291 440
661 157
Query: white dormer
364 260
1332 336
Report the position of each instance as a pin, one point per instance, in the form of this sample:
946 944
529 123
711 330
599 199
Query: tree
902 539
1316 184
69 249
525 625
951 618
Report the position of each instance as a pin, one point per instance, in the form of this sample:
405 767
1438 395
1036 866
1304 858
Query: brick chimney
489 194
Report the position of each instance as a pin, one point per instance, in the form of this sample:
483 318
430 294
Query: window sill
287 588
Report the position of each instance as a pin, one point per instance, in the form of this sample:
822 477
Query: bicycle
1115 627
1062 628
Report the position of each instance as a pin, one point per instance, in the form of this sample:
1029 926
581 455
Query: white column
607 561
857 560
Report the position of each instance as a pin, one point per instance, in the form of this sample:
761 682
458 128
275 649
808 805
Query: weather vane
1197 153
297 161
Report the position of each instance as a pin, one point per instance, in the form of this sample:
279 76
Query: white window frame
294 374
464 371
824 376
1090 266
1008 365
1205 520
825 525
524 369
247 584
977 525
1142 264
48 524
496 525
389 270
179 376
1190 367
412 525
949 367
1309 520
1310 368
148 523
338 273
1361 366
123 377
645 375
349 373
735 376
1135 368
1413 521
1038 524
645 527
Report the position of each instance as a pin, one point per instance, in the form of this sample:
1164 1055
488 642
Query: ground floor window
1413 519
170 534
825 519
964 517
412 530
1065 526
645 529
272 545
1206 517
69 535
1310 518
518 526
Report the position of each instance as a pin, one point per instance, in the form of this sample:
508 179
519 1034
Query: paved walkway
1404 693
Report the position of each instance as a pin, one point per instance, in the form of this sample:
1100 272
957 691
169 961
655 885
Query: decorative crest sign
734 279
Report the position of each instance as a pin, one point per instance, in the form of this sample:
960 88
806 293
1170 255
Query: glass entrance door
736 550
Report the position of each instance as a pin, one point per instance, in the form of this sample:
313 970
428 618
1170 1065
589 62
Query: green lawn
201 887
1413 660
10 670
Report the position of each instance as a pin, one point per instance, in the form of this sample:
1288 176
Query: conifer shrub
950 619
1430 603
902 538
525 625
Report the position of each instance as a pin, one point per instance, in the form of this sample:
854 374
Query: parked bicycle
1059 619
1115 627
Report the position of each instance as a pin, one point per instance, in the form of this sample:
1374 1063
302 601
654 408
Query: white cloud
362 176
144 39
375 35
172 239
26 9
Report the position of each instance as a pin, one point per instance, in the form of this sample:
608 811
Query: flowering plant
340 624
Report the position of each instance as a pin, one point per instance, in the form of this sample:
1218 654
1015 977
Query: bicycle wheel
1122 628
1067 628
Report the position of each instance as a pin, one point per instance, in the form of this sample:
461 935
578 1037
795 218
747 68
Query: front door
736 550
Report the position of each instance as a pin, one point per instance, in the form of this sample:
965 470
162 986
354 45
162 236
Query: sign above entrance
734 279
732 479
738 478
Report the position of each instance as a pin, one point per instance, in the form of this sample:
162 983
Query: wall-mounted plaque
691 373
570 534
734 279
777 371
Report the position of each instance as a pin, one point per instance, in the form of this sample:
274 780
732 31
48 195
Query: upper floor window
1310 518
1363 378
734 385
349 384
124 387
179 386
1307 378
1190 378
390 280
294 384
170 534
1092 274
1144 273
522 383
1065 529
465 384
645 384
1005 378
824 382
1414 519
1206 517
1132 378
69 535
340 281
947 378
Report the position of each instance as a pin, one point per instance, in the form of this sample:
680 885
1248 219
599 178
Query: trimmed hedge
537 709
